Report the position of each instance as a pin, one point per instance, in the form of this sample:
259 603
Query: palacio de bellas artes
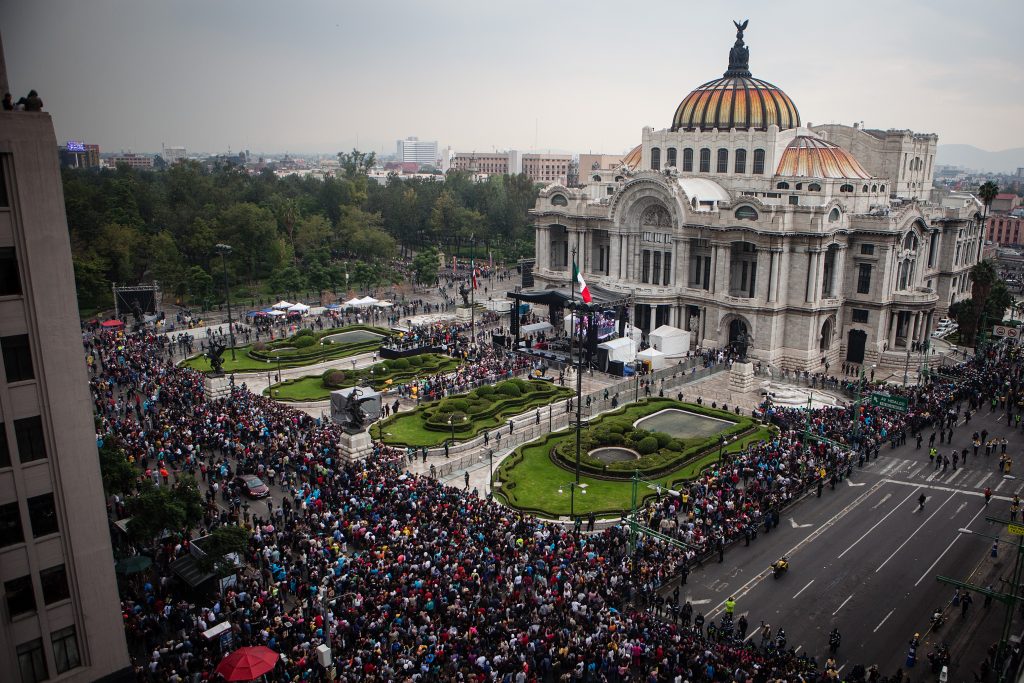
818 245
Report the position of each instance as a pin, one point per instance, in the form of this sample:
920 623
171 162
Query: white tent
654 357
634 333
277 314
671 341
282 305
622 349
317 310
367 301
355 301
298 308
534 328
384 304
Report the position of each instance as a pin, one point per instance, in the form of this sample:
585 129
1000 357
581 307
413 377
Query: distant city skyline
320 77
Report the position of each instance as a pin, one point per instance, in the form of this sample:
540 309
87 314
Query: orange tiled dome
812 157
632 158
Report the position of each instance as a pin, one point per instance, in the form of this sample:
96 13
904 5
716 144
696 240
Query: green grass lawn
249 360
537 479
410 429
312 387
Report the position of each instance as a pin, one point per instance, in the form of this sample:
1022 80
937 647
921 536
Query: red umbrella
247 663
112 323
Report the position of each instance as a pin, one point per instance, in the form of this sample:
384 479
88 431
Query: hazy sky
308 76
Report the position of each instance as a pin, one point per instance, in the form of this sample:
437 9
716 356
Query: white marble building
824 243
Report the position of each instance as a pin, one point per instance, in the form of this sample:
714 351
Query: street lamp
723 441
490 479
573 485
636 371
224 250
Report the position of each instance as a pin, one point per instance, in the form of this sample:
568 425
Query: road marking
798 526
933 475
1000 484
961 507
954 476
921 526
943 554
852 484
881 502
917 471
941 488
763 574
876 525
843 605
699 602
799 647
982 480
884 620
889 467
804 588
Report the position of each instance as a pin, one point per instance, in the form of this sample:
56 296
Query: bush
400 364
675 446
663 438
485 390
416 361
459 404
304 332
614 439
303 342
647 445
509 389
259 346
334 378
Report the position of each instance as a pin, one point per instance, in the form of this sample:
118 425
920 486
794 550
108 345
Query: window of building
881 188
910 242
864 278
559 200
32 662
834 215
814 187
10 525
867 249
859 315
740 163
17 357
746 213
28 432
611 190
846 188
758 162
20 597
666 277
799 186
42 513
656 269
723 160
10 281
782 186
688 160
3 185
933 249
655 159
670 157
794 200
864 189
65 649
874 188
645 266
705 160
5 452
55 584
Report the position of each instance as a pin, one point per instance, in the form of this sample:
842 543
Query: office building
139 161
414 150
60 614
547 168
174 154
79 155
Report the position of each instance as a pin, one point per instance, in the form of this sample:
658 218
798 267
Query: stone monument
741 378
354 409
215 384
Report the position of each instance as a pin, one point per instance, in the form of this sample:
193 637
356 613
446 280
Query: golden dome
811 157
633 157
737 100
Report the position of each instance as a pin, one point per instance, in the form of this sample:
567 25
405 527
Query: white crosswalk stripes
978 474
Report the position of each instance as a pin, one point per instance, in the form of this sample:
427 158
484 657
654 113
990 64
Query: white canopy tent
654 357
298 308
535 328
355 301
621 349
671 341
282 305
277 314
384 304
367 301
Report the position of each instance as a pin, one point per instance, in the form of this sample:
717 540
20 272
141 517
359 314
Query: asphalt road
864 560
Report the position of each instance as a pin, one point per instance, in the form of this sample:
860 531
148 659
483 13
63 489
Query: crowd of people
411 580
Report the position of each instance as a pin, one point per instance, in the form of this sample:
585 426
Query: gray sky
308 76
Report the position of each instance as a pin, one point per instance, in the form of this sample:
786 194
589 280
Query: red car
251 485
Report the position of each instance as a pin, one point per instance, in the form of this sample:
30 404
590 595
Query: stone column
809 285
681 271
653 322
720 266
763 282
613 255
543 247
894 325
839 272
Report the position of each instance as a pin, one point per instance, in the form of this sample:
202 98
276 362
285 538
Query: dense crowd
412 580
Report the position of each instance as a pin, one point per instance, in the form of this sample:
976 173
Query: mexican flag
577 277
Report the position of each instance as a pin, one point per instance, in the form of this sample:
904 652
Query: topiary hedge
303 342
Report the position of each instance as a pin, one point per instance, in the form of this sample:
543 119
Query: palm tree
987 192
983 277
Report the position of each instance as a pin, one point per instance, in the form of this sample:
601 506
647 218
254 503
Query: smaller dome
633 157
812 157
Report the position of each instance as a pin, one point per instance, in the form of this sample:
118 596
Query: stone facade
784 233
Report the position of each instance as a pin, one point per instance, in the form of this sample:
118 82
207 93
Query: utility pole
1010 599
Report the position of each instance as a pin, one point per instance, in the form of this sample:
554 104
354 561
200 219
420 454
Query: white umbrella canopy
298 308
283 305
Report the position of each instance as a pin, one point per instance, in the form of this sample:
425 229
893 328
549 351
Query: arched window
705 160
746 213
814 187
670 157
559 200
864 189
688 160
910 242
597 178
846 188
782 186
758 162
619 178
740 164
655 159
874 188
881 188
723 160
834 215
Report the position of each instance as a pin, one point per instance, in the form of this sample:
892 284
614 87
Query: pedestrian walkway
979 474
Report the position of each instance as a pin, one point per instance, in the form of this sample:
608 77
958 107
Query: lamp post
636 371
224 250
490 479
573 485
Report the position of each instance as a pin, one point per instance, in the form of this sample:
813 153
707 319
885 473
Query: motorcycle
778 568
938 619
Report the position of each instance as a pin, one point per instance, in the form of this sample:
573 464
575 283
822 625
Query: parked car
251 485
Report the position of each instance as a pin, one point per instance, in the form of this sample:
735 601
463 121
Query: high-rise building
60 617
547 168
141 161
414 150
78 155
174 154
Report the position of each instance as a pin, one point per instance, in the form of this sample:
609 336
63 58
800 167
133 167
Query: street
864 558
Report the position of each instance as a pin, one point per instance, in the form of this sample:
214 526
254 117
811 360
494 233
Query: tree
313 239
987 193
983 277
425 265
157 509
222 542
200 284
118 474
287 280
356 162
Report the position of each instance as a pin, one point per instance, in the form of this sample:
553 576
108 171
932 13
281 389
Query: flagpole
579 369
472 290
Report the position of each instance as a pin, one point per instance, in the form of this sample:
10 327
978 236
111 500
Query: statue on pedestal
353 419
216 362
464 293
740 346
